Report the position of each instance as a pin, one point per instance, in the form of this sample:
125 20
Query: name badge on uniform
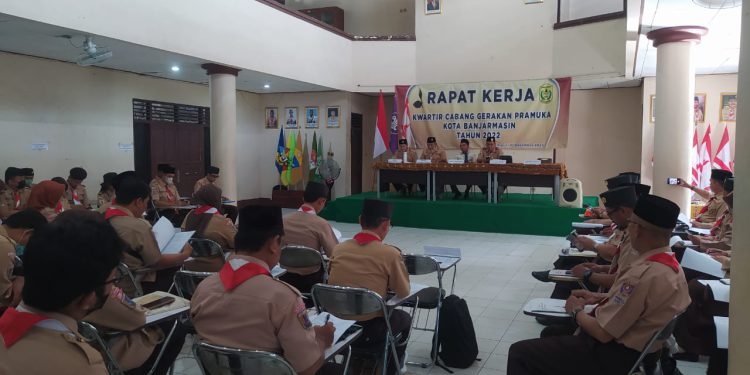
301 312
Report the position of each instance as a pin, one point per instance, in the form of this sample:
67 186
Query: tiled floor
494 278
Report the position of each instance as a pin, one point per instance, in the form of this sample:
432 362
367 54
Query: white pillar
223 90
739 305
675 87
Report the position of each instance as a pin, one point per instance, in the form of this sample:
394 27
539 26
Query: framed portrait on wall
291 117
311 117
652 109
433 6
272 118
699 108
333 116
728 112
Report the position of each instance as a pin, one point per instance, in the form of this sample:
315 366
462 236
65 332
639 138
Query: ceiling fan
92 54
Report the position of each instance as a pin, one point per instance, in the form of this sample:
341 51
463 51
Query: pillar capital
212 68
677 34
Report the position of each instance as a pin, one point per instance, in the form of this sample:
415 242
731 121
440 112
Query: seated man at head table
408 156
208 222
435 154
306 228
141 254
244 307
645 297
366 262
75 193
14 197
69 267
163 190
15 232
463 154
714 206
489 152
212 178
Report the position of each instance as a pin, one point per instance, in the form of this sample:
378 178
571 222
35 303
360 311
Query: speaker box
570 193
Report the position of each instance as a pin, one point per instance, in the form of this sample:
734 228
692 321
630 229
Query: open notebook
171 240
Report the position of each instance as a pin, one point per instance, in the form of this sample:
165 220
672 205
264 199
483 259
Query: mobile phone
673 181
161 302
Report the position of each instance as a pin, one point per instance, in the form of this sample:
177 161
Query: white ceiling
32 38
718 52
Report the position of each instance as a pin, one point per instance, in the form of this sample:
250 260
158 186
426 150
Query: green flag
320 154
314 159
306 166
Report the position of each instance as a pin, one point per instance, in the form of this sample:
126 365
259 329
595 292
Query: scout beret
729 185
78 173
212 170
402 142
314 191
621 196
720 175
374 208
263 217
657 211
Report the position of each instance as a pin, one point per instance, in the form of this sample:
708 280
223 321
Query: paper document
702 263
573 252
677 240
560 273
549 307
722 332
587 226
169 238
414 289
683 218
452 252
718 288
424 161
336 233
341 325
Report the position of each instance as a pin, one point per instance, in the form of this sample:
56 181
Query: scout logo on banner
519 114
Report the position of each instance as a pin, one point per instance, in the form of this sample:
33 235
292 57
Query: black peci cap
263 217
633 176
27 171
657 211
617 181
78 173
640 189
464 140
314 191
431 140
621 196
375 209
720 175
490 139
729 185
212 170
402 142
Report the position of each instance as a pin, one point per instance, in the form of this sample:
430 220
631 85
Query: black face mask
101 298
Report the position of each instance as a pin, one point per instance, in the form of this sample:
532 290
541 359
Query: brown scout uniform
626 254
485 153
723 238
142 248
53 346
12 201
411 155
201 183
375 266
80 193
260 314
436 155
645 297
712 210
310 230
220 230
7 256
104 200
160 191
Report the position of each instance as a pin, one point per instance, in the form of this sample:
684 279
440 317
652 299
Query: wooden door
182 147
356 153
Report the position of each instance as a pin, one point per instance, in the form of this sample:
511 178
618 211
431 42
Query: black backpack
457 342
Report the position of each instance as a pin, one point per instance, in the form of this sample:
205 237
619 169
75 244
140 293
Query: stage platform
516 213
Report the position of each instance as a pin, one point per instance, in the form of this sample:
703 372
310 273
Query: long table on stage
492 175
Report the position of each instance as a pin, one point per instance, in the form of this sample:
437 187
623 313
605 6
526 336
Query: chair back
417 264
91 334
132 286
660 335
218 360
346 301
187 281
296 256
203 247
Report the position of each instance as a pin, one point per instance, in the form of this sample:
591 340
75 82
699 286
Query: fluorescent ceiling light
175 68
266 86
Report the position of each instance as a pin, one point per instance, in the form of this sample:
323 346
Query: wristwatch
587 275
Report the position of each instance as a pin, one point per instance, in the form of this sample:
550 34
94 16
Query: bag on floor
457 342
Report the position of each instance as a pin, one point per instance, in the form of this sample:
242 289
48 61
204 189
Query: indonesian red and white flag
695 160
381 130
705 159
406 126
723 158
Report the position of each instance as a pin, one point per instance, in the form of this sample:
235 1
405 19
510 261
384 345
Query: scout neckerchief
14 324
717 224
704 209
76 201
232 278
307 209
170 196
17 198
59 207
667 260
206 209
113 212
363 238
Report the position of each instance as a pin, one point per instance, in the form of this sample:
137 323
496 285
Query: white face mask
170 180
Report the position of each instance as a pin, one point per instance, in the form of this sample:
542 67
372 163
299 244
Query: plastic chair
660 335
429 299
344 301
219 360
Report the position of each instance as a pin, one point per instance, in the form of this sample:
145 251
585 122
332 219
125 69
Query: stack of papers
719 289
722 332
170 239
573 252
700 231
702 263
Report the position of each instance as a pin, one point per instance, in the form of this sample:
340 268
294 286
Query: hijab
45 194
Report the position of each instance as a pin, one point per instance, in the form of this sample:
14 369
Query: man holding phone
715 205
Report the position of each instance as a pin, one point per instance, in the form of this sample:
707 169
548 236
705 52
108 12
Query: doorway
356 153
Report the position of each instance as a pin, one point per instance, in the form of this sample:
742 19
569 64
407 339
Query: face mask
170 180
29 182
20 249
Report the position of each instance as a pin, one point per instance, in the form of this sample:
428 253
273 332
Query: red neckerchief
233 278
76 201
170 196
667 260
17 198
59 207
113 212
364 238
705 206
14 324
717 225
307 209
205 208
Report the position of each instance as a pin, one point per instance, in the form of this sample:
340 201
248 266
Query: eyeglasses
114 280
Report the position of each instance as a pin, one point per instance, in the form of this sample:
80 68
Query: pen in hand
328 317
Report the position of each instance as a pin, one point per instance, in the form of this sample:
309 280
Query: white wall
367 18
576 9
381 65
711 85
